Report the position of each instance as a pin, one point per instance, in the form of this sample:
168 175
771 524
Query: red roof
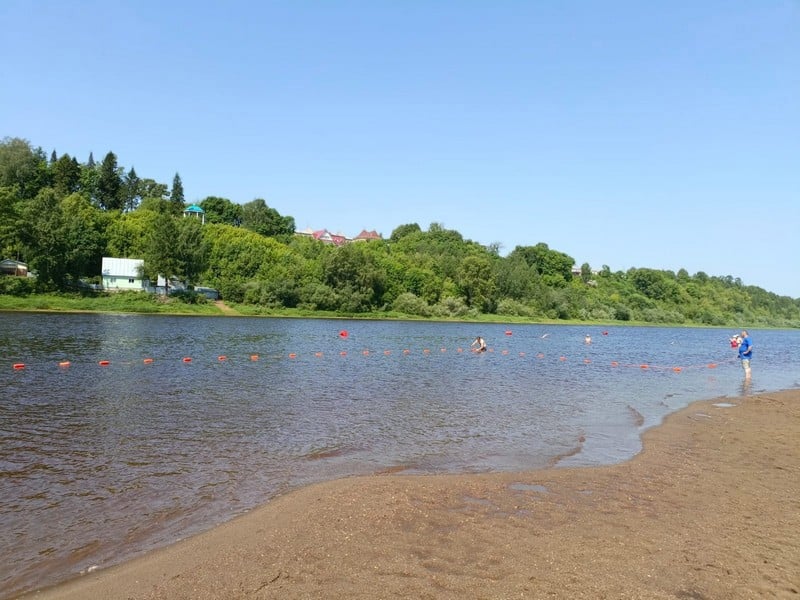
367 235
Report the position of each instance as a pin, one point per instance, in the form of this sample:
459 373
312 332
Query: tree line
61 216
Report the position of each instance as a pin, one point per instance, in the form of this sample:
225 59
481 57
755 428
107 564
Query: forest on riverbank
61 216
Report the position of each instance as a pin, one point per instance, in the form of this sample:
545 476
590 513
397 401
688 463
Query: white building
123 274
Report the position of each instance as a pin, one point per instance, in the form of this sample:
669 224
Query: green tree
246 266
586 273
176 196
653 284
352 273
422 282
10 243
109 184
150 189
192 250
404 230
42 236
258 217
131 191
161 256
236 255
176 249
83 236
547 261
222 210
515 278
22 167
478 283
89 178
66 175
127 233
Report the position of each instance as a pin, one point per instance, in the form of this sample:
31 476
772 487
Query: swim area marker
368 353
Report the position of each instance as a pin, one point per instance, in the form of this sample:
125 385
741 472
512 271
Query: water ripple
103 463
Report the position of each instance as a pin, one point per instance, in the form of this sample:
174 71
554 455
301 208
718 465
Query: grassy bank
126 302
138 303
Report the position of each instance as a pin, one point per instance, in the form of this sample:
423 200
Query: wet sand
710 509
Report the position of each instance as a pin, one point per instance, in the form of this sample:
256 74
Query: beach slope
710 509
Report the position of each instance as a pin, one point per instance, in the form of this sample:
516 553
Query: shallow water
101 463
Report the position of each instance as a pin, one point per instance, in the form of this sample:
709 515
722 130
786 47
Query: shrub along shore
140 303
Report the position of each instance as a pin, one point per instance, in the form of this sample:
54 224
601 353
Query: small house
325 236
123 274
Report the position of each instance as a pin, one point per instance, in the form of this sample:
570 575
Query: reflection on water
99 463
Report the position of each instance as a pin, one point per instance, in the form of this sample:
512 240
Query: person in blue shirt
746 353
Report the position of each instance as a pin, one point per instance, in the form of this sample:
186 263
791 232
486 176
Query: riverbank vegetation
61 217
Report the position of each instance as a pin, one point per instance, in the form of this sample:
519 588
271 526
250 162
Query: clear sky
623 133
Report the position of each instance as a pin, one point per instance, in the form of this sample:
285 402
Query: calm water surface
101 463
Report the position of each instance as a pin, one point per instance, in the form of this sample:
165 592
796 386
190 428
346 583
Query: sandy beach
710 509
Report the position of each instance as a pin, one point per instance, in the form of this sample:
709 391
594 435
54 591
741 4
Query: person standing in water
746 353
480 343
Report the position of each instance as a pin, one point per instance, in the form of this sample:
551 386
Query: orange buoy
292 355
406 351
104 363
18 366
508 332
712 366
562 358
605 333
342 353
254 357
586 361
64 363
186 359
222 358
522 354
644 366
365 352
317 354
387 352
504 352
676 369
614 363
343 333
426 351
540 355
147 361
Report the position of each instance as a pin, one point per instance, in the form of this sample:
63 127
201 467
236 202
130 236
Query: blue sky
623 133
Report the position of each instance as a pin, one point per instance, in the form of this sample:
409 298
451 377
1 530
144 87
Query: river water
160 427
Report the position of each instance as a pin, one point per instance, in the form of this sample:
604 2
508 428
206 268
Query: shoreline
288 314
710 508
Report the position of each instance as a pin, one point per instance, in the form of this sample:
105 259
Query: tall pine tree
176 196
109 184
131 191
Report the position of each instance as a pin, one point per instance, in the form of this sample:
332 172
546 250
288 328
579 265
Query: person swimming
479 344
